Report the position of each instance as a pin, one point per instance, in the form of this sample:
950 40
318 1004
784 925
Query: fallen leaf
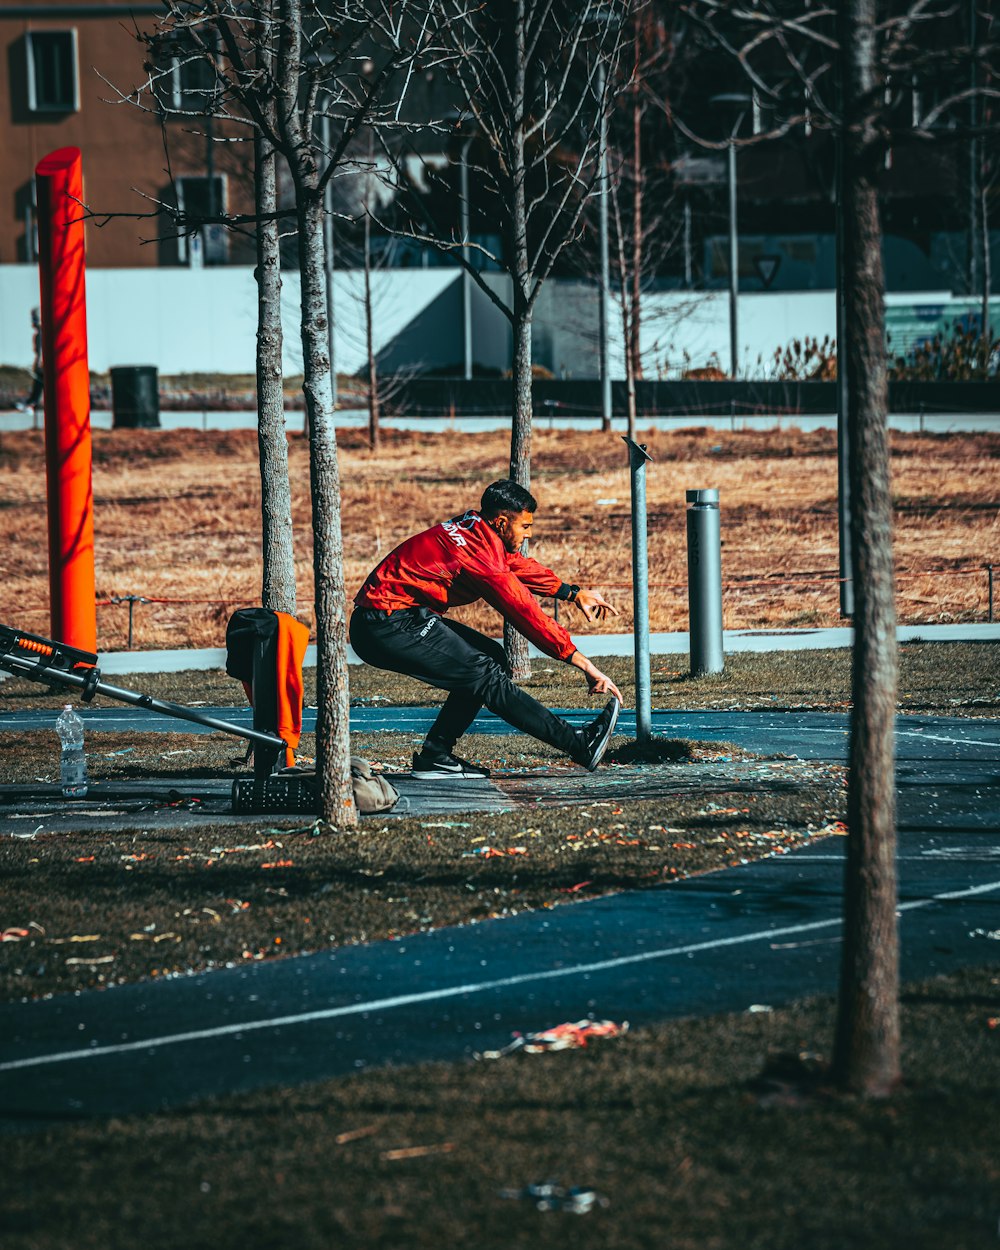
355 1134
418 1152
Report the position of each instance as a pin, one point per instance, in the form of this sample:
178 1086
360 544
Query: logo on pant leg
426 629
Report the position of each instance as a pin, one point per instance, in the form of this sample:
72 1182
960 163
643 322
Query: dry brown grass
177 521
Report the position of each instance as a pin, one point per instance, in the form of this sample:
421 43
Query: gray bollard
638 457
704 582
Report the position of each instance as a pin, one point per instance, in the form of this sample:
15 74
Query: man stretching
398 624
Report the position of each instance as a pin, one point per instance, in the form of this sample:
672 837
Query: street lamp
328 256
738 102
466 275
602 314
845 555
845 551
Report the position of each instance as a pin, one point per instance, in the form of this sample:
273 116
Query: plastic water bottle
73 764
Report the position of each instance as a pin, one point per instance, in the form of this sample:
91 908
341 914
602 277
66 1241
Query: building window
193 83
211 244
53 81
185 80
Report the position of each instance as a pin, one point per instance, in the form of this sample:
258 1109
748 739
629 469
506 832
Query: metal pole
206 230
704 582
989 571
30 253
602 321
91 685
328 253
843 437
210 206
734 268
973 161
466 276
638 457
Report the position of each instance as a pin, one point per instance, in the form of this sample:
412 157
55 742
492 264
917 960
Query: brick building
67 70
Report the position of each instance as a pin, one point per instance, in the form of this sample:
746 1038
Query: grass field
177 520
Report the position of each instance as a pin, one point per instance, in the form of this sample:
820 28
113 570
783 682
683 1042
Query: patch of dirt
951 679
178 522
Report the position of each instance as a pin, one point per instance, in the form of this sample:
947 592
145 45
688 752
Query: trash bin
135 397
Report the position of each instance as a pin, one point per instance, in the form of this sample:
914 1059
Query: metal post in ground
734 265
602 308
704 582
638 457
329 257
989 573
131 600
466 276
845 554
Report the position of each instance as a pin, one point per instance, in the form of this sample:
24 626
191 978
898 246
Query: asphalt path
947 771
753 936
745 938
807 734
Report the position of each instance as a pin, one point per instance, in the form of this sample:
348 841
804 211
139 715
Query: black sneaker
594 738
434 767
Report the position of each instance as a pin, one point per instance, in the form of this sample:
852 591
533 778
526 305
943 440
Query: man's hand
598 682
593 605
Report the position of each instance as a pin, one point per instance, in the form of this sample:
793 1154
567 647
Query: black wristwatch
567 592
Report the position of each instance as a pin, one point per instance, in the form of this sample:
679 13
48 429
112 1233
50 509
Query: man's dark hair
506 496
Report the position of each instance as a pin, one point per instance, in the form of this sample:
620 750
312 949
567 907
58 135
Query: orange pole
69 488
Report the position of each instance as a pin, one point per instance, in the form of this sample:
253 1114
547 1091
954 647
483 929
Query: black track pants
453 657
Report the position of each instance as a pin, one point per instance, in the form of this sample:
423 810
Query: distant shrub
808 360
963 356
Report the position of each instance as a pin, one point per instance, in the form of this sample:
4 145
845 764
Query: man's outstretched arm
593 604
542 581
598 682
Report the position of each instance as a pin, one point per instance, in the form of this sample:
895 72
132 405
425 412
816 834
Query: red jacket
461 561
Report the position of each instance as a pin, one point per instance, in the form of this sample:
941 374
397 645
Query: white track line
962 742
408 1000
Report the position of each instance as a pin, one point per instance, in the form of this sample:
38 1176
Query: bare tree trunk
515 644
520 439
333 747
278 589
373 404
866 1056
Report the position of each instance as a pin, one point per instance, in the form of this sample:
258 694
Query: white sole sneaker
601 745
444 773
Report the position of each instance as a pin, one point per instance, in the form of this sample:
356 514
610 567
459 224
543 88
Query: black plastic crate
289 793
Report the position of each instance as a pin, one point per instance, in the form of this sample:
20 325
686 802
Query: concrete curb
734 640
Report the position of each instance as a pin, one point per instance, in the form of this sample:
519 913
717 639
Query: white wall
697 323
204 320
